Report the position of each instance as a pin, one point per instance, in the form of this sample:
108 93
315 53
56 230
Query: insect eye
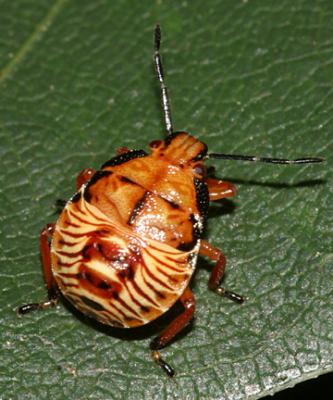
155 143
199 169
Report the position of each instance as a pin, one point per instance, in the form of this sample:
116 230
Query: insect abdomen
113 274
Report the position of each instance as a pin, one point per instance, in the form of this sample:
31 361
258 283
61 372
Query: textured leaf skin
76 82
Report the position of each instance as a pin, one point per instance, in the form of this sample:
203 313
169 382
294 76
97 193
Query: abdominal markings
112 274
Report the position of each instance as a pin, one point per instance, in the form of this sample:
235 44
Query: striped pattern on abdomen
109 272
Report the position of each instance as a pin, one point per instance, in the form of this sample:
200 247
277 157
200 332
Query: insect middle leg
84 177
178 324
217 273
52 289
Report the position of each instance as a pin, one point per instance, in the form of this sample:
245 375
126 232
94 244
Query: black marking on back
127 180
60 204
92 304
76 197
202 196
197 228
171 203
188 246
96 177
137 208
122 158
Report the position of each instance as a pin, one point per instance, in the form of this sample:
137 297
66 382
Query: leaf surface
246 77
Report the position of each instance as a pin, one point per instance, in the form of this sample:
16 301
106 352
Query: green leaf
251 77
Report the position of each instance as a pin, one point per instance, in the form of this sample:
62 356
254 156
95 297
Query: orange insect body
125 246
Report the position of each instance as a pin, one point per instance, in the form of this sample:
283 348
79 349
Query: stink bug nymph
125 245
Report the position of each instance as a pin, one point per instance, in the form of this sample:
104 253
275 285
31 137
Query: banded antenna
168 121
160 77
307 160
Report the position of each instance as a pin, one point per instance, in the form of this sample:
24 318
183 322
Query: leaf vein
41 28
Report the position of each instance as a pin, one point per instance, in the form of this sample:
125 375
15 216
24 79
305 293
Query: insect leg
219 189
81 179
53 295
217 273
122 150
84 177
178 324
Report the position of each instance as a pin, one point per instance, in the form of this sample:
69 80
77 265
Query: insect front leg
217 273
52 289
84 177
178 324
81 179
219 189
122 150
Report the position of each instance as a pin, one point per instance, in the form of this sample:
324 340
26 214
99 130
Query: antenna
160 77
307 160
168 121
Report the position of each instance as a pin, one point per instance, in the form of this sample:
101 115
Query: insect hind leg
52 288
178 324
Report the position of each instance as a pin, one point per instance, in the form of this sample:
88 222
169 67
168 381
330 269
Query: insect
125 246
